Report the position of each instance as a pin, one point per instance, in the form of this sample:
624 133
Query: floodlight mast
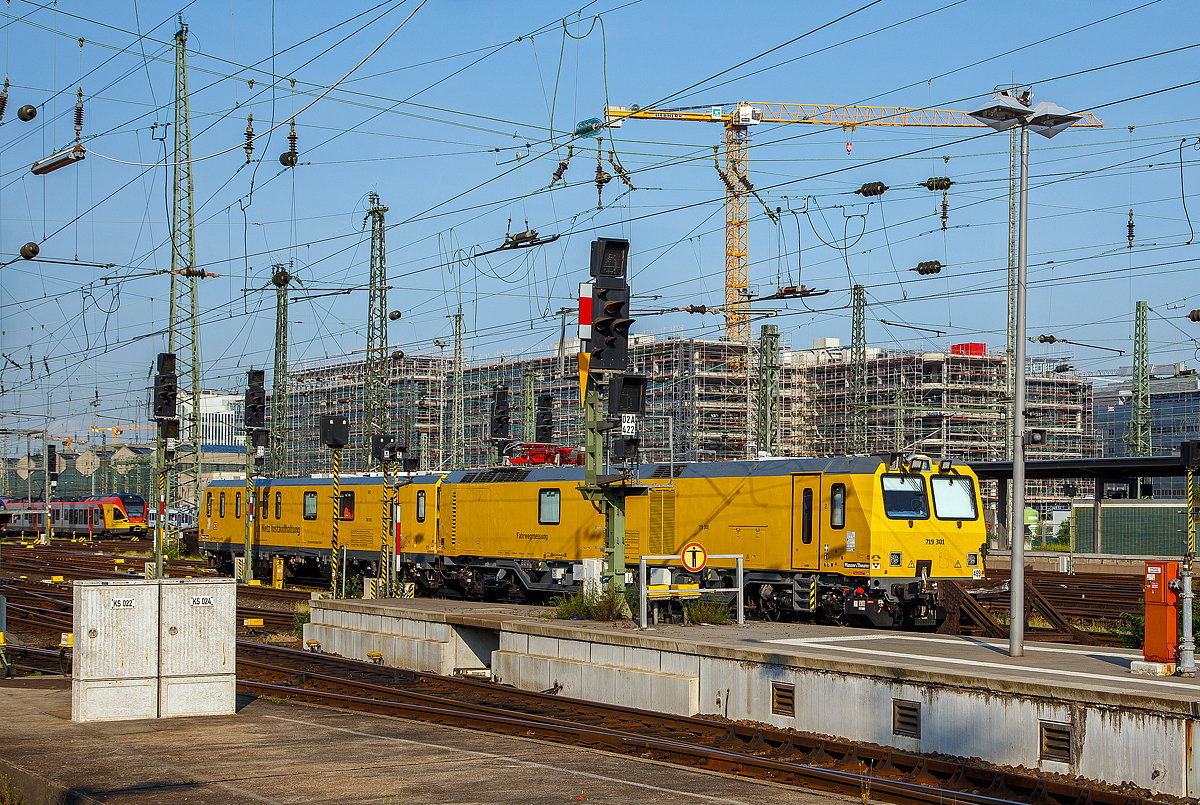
1009 107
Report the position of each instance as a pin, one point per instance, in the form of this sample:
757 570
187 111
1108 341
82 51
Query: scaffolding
701 405
335 387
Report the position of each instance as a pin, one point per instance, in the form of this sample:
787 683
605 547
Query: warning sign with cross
693 556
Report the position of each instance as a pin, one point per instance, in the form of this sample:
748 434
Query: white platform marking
830 643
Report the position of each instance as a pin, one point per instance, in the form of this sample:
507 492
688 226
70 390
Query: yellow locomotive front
893 535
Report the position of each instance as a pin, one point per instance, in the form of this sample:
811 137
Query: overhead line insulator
249 136
928 267
79 115
290 157
4 98
937 183
872 189
1130 227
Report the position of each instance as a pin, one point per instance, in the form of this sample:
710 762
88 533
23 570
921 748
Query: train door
806 520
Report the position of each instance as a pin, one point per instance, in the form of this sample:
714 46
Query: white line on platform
959 641
506 758
1122 680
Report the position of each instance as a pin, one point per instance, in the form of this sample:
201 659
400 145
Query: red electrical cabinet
1162 613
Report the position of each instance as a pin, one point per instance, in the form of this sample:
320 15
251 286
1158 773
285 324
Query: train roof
839 465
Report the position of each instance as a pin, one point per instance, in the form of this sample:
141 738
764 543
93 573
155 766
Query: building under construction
705 402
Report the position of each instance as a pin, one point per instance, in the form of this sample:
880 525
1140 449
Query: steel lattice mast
768 388
375 406
1139 415
184 336
279 390
858 374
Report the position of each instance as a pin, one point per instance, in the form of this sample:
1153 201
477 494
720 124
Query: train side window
837 506
221 508
549 506
421 506
310 505
208 506
806 532
347 507
237 504
278 505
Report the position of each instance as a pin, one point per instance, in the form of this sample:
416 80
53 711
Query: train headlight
972 560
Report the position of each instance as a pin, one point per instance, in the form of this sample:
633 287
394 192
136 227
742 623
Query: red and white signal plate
693 556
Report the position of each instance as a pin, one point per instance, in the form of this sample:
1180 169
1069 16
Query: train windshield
954 497
904 497
135 507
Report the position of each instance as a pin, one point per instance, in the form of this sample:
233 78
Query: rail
665 560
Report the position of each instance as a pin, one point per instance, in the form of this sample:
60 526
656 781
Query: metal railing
667 561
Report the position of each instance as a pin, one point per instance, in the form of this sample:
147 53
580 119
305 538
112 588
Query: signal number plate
202 601
122 603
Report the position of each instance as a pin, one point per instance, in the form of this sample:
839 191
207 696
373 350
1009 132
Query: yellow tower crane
737 120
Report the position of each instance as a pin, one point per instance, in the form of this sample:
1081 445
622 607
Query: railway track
48 608
768 754
744 750
1097 596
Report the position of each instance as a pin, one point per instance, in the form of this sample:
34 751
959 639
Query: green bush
592 604
710 611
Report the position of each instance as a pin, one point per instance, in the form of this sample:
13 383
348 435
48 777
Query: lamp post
1005 109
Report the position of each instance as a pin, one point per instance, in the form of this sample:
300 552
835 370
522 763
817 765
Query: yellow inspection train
860 539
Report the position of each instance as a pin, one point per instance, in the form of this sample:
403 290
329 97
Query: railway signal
52 462
166 387
543 422
256 399
500 414
610 324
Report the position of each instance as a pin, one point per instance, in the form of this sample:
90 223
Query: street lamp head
1049 119
1002 112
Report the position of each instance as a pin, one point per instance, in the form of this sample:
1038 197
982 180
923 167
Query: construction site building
701 403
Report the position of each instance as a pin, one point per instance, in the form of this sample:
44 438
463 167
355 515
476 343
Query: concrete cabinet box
113 699
115 630
197 627
197 695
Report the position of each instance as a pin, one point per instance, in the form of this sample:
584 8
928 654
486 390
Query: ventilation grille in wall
906 718
783 699
1056 742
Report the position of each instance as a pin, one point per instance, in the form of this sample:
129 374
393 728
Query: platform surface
1063 671
296 753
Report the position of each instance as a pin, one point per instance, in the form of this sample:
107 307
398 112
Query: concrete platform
295 753
969 697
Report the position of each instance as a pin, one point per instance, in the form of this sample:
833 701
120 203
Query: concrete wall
1116 738
418 645
665 682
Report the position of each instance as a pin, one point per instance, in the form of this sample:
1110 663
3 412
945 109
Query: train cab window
278 505
421 506
117 514
806 532
347 507
953 497
264 505
904 497
310 505
208 505
837 506
549 506
237 504
221 507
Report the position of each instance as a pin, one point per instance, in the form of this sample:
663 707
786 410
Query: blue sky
434 120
